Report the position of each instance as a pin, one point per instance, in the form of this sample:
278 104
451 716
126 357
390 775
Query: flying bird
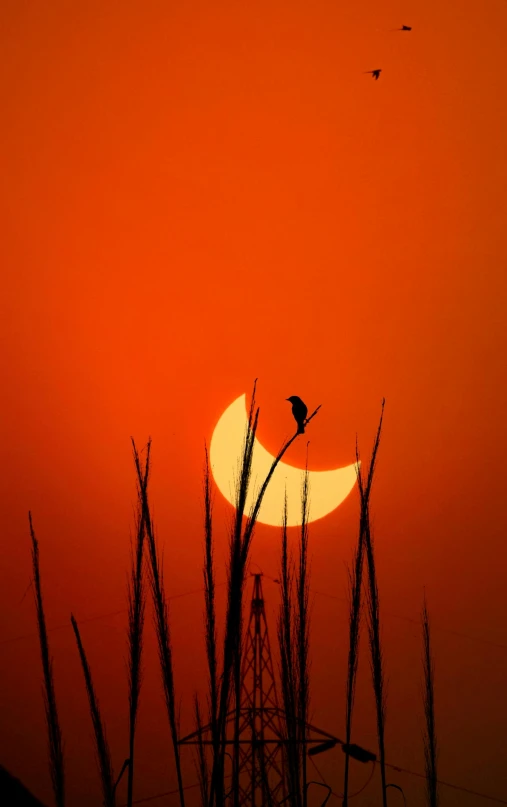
300 411
406 28
375 73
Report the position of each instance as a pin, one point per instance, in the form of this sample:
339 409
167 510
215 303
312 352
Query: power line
274 580
324 594
160 795
98 616
393 767
448 784
416 622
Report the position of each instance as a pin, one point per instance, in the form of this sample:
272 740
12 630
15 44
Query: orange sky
198 194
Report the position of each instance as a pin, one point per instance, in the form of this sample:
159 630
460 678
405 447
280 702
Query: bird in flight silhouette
406 28
375 73
300 411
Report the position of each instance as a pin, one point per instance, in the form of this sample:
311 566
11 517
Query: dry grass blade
210 613
239 549
233 620
355 581
302 638
373 609
430 737
136 610
101 745
201 761
161 622
56 764
288 671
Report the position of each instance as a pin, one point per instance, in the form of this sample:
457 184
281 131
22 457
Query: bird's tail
301 428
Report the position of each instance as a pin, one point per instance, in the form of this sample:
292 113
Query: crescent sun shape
327 489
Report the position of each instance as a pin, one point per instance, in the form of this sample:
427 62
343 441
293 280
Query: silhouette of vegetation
288 668
56 763
430 737
101 744
224 671
136 609
302 639
210 624
355 585
161 614
239 547
373 606
201 761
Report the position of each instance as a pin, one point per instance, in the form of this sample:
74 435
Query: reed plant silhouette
288 670
136 611
162 626
430 737
364 544
201 762
302 638
376 659
239 547
101 744
210 628
355 586
221 688
56 758
224 670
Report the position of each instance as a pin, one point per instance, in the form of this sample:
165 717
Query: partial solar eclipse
328 489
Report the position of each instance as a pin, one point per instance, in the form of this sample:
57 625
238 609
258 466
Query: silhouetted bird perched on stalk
300 411
375 73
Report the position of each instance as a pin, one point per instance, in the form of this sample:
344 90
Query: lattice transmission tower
261 764
260 739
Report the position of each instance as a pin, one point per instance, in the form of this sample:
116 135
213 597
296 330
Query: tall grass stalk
302 637
355 607
238 556
355 584
288 674
136 611
373 608
233 620
161 621
56 760
201 760
210 611
430 737
101 744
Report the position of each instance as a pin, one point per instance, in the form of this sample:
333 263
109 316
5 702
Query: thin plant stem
376 658
210 612
430 737
302 637
56 759
161 623
136 612
288 674
355 588
239 549
201 761
101 744
355 581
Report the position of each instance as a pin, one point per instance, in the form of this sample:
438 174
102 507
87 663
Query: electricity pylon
261 777
258 743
